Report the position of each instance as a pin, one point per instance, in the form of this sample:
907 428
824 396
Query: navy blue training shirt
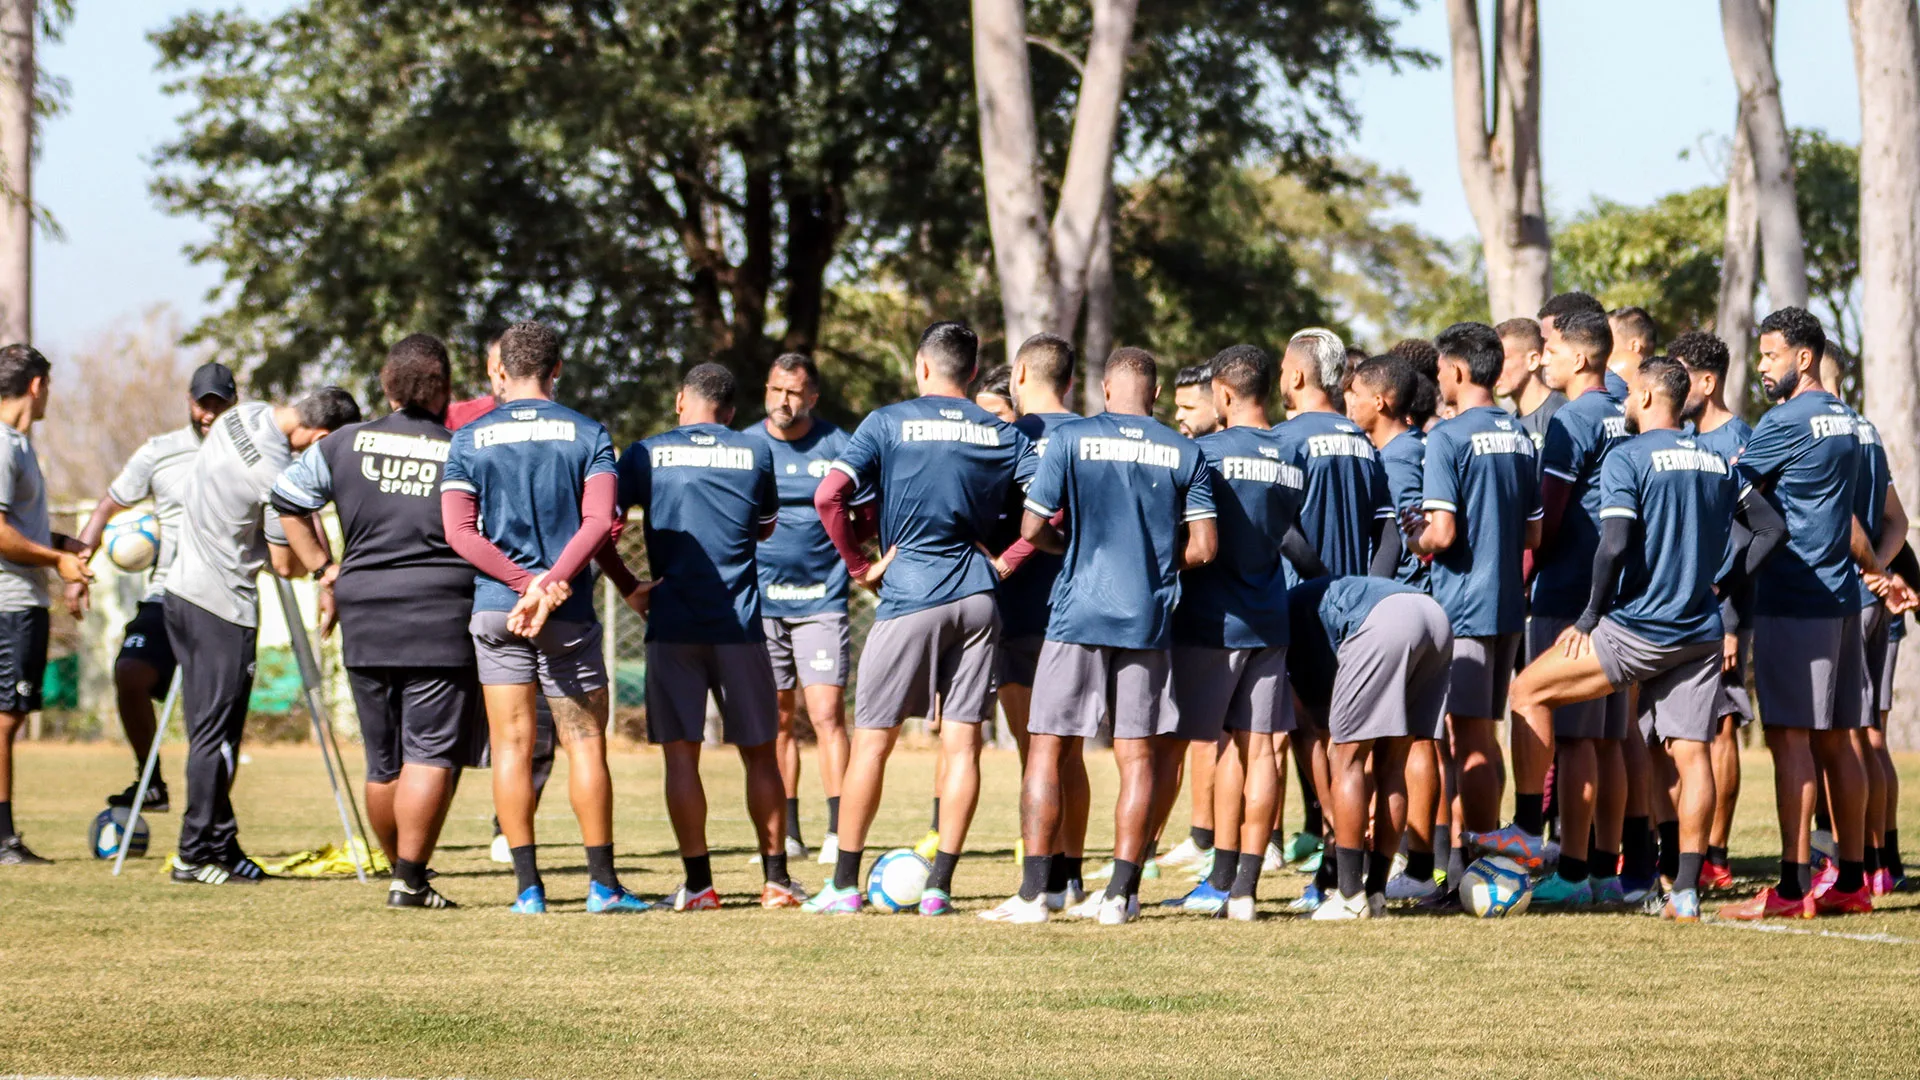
1324 613
705 491
1728 440
527 463
1024 597
800 572
1804 455
1578 439
1480 467
1346 488
1681 498
944 467
1870 491
1239 600
1127 483
1404 459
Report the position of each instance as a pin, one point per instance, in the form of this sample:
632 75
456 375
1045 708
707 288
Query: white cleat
1118 911
1089 908
1185 856
1402 887
501 851
1339 907
1275 860
830 850
1240 909
1019 912
1073 895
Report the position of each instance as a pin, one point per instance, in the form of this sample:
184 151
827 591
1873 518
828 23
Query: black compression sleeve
1908 567
1615 534
1306 561
1768 527
1386 549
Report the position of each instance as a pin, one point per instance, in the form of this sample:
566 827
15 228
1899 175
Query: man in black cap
157 471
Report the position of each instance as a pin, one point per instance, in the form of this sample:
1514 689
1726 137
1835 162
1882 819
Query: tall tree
17 78
1500 165
1740 245
1750 49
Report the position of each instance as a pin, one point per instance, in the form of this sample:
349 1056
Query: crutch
322 726
146 771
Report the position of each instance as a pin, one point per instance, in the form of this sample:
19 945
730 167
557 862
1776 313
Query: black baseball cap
213 380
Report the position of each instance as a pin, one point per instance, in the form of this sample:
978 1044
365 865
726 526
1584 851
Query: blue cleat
602 900
1309 900
1203 899
532 901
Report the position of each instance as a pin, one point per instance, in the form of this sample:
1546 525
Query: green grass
136 976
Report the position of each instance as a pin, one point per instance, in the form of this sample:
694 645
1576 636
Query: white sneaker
1399 864
1118 911
1402 887
501 851
1019 912
1275 861
1339 907
1240 909
1071 896
1185 855
1376 905
830 850
1089 908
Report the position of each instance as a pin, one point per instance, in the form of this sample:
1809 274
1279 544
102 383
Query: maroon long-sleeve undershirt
460 514
830 500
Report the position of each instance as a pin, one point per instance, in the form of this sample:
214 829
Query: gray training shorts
1394 673
1601 718
1217 690
1078 687
1810 673
1882 651
1016 659
1733 700
738 675
564 658
810 650
1679 684
1482 668
944 653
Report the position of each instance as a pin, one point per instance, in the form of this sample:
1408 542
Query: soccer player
1588 732
993 391
539 479
1129 487
1652 618
1808 660
1521 381
28 546
945 467
1482 513
707 496
1635 341
1566 304
1377 399
1195 414
1230 628
1193 410
213 607
803 592
1370 657
157 471
403 597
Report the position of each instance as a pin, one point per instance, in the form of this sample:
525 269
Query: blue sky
1629 85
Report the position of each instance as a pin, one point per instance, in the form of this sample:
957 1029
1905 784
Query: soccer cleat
208 873
1402 887
1074 894
1310 864
829 849
775 895
1118 910
1442 902
1339 907
1020 912
1768 904
1511 841
684 899
155 802
1240 909
1275 859
1715 877
1682 906
15 852
1880 882
500 851
1104 873
1185 855
1824 879
243 867
602 900
1835 902
1151 871
400 896
1299 846
1309 900
936 902
1203 869
1824 849
1556 891
1638 892
1089 908
832 901
531 901
1611 892
929 845
1204 899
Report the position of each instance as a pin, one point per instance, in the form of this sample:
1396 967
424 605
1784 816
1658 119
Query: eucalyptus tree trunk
1500 166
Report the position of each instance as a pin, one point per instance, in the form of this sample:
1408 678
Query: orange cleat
1767 904
781 896
1835 902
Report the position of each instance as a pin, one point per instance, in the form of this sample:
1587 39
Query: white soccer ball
132 540
898 879
1496 887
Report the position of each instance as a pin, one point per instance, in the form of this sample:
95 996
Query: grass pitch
136 976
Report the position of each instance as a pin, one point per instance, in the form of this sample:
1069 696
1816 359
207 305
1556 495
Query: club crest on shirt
1503 425
524 414
816 468
1133 432
701 440
953 414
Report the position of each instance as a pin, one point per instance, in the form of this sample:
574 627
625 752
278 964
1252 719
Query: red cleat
1835 902
1767 904
1715 877
1824 879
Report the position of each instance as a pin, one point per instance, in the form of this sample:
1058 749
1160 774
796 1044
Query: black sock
1804 871
1056 873
775 867
1378 863
6 819
1572 869
1603 864
833 814
1153 849
1226 863
793 819
600 866
1793 880
1687 876
936 814
1125 880
1420 865
409 873
846 871
1822 819
1328 876
1873 859
1442 841
1636 842
1076 865
1202 838
1852 876
942 876
1890 854
1036 872
1717 856
1246 875
699 872
1456 868
1350 870
1529 813
1315 822
1669 849
526 872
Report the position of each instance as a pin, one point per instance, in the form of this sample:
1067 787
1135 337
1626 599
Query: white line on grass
1776 928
